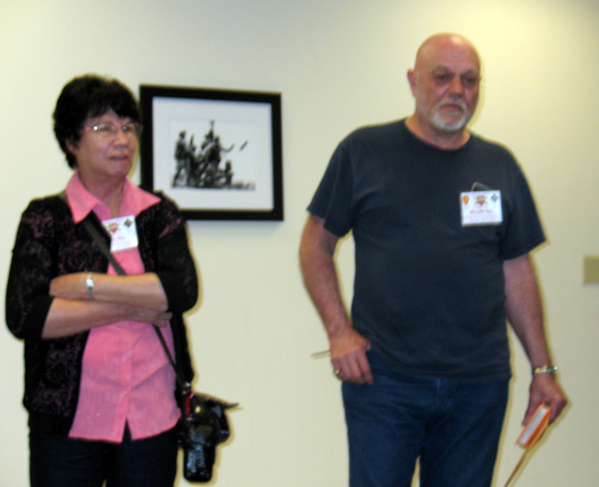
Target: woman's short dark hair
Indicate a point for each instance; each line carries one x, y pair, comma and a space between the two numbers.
86, 97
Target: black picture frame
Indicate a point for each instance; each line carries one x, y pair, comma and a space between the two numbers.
216, 153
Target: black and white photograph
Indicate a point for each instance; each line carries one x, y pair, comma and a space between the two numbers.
216, 153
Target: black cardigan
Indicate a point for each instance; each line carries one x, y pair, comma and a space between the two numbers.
50, 244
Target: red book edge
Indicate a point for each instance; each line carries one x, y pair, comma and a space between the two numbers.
534, 424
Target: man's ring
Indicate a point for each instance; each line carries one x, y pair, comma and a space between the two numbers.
337, 372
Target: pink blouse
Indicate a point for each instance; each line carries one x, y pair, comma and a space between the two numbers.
126, 377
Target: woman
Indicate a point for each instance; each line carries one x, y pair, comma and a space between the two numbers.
98, 385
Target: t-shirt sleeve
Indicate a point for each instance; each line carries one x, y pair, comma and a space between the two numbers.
333, 198
524, 231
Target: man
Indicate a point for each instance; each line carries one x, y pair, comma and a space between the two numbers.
443, 222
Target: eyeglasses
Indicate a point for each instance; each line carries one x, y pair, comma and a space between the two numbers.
109, 130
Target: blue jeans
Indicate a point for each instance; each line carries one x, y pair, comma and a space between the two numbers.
453, 426
58, 461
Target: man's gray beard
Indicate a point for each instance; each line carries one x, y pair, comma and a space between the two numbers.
437, 121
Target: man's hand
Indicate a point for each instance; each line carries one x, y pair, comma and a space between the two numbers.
545, 390
348, 356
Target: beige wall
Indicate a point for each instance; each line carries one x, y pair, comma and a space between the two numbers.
339, 64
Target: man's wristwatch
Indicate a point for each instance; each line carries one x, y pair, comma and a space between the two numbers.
89, 284
544, 369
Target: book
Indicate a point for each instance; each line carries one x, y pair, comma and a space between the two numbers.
538, 421
532, 432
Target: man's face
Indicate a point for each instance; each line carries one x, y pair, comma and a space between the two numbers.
445, 84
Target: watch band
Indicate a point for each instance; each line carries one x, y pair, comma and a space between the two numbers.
89, 283
544, 369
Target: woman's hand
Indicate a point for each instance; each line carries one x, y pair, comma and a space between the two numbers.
151, 317
69, 286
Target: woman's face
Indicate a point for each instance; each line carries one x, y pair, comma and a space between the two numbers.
106, 149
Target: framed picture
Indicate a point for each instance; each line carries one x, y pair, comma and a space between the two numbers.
216, 153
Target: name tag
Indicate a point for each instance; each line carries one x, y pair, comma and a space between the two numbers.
481, 207
123, 233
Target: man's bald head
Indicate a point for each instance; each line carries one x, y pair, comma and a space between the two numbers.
431, 48
445, 82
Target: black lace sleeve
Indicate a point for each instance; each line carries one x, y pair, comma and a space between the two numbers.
171, 257
32, 267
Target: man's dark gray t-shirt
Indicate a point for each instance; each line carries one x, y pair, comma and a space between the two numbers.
428, 291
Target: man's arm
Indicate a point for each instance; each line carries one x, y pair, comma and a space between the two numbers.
348, 347
524, 311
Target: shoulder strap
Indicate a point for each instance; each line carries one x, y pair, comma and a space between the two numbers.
89, 226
